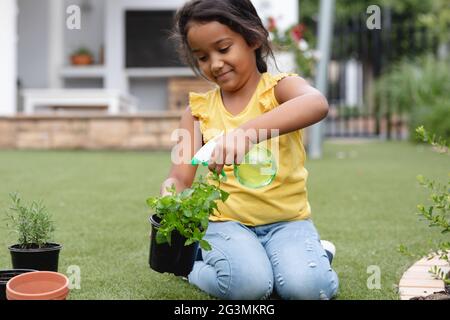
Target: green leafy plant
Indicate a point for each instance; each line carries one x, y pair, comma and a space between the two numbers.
439, 274
437, 19
188, 211
419, 88
437, 213
438, 143
82, 51
32, 223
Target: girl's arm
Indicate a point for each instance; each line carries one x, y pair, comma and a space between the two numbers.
301, 105
182, 173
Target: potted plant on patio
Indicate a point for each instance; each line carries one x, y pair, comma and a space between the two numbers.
82, 56
179, 225
34, 228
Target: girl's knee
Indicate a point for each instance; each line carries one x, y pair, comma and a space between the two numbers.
308, 287
256, 288
304, 292
248, 283
246, 280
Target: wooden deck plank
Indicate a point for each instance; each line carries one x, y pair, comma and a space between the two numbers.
418, 281
424, 269
432, 262
419, 291
424, 283
417, 276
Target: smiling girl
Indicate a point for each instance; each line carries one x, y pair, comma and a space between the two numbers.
262, 239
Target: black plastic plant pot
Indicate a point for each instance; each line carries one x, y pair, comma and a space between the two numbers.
6, 275
175, 258
41, 259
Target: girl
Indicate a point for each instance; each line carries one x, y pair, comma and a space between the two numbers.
263, 240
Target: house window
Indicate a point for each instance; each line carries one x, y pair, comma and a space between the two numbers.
147, 40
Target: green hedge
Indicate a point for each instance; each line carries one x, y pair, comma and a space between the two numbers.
436, 116
420, 88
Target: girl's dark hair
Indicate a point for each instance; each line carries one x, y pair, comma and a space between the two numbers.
238, 15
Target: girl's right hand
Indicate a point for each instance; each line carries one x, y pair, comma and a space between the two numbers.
230, 149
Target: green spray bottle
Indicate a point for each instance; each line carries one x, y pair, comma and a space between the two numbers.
258, 168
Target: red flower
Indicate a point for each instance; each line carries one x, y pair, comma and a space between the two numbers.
297, 32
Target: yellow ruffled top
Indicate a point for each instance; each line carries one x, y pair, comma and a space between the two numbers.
285, 199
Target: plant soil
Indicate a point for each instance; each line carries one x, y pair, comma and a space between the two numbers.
440, 295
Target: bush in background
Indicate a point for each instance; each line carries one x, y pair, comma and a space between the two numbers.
419, 88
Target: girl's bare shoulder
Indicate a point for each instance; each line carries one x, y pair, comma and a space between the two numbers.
291, 87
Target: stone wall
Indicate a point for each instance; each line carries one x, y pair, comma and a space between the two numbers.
150, 131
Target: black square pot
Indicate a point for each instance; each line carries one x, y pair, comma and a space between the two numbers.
175, 258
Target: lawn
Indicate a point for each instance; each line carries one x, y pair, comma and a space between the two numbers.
363, 198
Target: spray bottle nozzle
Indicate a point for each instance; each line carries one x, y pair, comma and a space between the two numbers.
204, 154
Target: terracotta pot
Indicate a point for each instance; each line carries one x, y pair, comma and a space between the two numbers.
39, 285
81, 59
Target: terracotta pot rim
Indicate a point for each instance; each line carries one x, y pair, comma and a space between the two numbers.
47, 295
52, 247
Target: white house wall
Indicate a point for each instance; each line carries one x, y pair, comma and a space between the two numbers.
152, 93
33, 43
285, 12
8, 57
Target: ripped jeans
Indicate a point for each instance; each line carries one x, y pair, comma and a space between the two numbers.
248, 263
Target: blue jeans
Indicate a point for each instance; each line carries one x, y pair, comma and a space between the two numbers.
248, 263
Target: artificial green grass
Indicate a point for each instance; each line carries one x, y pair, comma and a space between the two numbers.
363, 198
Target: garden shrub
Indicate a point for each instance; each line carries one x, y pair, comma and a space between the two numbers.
419, 88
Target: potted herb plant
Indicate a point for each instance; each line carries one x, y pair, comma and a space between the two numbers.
34, 228
82, 56
179, 225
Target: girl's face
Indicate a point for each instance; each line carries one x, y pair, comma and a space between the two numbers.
223, 55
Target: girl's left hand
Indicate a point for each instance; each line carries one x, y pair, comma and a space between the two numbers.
230, 149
